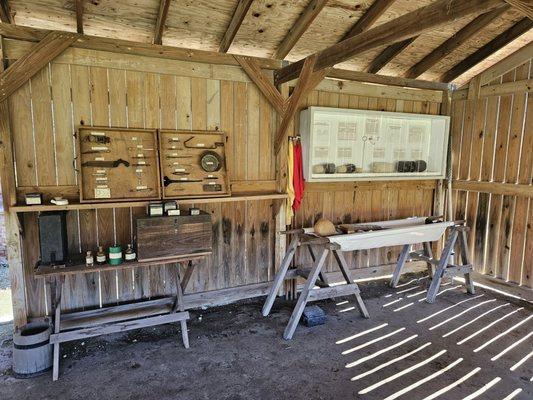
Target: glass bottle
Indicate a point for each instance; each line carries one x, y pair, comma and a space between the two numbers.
129, 255
100, 256
89, 259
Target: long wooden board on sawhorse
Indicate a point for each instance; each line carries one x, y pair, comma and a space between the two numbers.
457, 235
319, 249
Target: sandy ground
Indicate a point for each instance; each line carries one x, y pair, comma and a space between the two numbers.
237, 354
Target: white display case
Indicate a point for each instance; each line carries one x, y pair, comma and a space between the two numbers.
344, 144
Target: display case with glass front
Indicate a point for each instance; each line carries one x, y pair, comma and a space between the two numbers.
345, 144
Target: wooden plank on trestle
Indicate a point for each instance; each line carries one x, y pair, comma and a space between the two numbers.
63, 129
27, 66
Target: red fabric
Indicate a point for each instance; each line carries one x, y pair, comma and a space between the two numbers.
298, 177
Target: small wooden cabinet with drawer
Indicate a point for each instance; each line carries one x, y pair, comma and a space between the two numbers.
167, 237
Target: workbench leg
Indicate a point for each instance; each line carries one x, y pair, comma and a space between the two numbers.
280, 276
302, 299
322, 275
399, 265
441, 267
56, 288
179, 305
343, 265
465, 258
428, 252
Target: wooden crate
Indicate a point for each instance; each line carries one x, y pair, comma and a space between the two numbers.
137, 178
160, 238
181, 154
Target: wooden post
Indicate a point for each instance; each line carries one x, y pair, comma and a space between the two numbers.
12, 226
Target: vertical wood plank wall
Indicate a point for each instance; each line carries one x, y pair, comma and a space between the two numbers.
365, 201
492, 141
45, 113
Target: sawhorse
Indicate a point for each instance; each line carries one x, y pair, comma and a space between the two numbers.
309, 293
443, 268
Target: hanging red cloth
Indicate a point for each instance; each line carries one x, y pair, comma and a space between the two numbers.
298, 176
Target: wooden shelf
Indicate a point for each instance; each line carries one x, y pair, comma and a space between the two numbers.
81, 268
127, 204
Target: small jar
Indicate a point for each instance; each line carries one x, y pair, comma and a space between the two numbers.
129, 255
100, 256
89, 259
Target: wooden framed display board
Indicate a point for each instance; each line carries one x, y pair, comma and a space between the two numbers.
117, 164
346, 144
193, 164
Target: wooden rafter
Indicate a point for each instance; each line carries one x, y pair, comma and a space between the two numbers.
24, 68
375, 11
454, 42
401, 28
493, 46
300, 26
508, 63
525, 7
5, 12
388, 54
263, 82
306, 82
238, 16
160, 22
79, 16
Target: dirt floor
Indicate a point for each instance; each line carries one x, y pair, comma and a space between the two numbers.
237, 354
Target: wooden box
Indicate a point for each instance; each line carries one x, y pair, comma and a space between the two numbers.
134, 173
193, 164
163, 238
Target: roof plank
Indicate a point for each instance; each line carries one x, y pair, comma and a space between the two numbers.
300, 26
238, 16
160, 22
525, 8
401, 28
493, 46
454, 42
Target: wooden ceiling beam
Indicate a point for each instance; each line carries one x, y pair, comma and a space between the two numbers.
525, 7
375, 11
161, 20
24, 68
5, 12
79, 16
238, 16
401, 28
493, 46
387, 55
454, 42
298, 29
510, 62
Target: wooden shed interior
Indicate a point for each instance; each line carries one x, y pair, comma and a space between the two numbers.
247, 68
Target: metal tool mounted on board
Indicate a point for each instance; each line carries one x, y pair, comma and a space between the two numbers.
201, 145
106, 164
167, 181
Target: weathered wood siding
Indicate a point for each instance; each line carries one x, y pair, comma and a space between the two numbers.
346, 202
492, 141
85, 88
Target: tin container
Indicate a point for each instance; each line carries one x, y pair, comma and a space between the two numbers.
115, 255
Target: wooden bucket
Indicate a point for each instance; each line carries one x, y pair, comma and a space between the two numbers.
32, 351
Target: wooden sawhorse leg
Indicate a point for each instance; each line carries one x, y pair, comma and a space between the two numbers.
280, 276
465, 258
302, 299
56, 286
402, 258
179, 303
441, 267
343, 265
